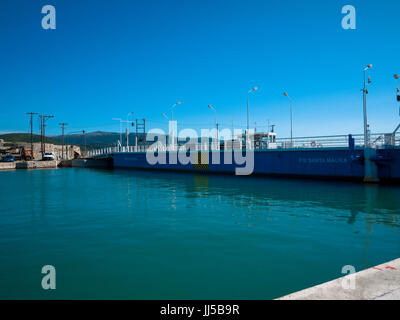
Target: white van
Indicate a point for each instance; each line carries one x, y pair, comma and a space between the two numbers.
48, 156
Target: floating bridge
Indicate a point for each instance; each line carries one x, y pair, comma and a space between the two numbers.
334, 157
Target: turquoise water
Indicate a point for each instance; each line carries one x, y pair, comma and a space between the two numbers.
159, 235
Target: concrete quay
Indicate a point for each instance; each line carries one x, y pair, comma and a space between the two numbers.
377, 283
75, 163
28, 165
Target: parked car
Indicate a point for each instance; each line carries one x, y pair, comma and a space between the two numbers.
48, 156
8, 158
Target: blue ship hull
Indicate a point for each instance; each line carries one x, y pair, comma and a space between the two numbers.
323, 163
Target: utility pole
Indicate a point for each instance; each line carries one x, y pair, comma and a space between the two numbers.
43, 131
41, 134
31, 125
84, 140
127, 129
63, 127
141, 141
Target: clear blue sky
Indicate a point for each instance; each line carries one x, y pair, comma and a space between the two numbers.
107, 58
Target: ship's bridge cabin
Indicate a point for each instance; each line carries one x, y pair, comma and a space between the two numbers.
262, 140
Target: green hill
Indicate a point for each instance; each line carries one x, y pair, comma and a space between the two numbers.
97, 139
25, 137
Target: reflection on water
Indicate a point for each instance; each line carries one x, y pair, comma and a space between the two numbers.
381, 204
144, 234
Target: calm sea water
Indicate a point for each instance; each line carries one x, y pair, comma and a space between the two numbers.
158, 235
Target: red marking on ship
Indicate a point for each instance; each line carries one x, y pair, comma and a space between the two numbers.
377, 268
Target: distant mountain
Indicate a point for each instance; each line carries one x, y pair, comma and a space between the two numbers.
92, 140
97, 139
25, 137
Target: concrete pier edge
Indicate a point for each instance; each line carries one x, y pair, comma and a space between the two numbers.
73, 163
29, 165
381, 282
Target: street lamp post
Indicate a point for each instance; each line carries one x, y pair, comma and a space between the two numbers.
291, 118
370, 167
215, 115
172, 125
396, 76
120, 129
365, 92
165, 116
172, 109
215, 123
248, 106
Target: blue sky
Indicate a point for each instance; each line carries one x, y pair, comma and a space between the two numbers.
107, 58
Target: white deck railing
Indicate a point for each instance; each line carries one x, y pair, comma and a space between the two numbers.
377, 140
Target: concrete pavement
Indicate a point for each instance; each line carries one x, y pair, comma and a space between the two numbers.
377, 283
